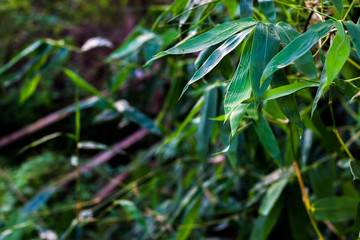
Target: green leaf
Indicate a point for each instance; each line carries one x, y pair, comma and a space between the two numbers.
264, 224
209, 38
355, 169
265, 45
190, 217
246, 8
335, 59
357, 223
205, 127
175, 8
240, 86
305, 63
236, 117
335, 209
119, 79
210, 63
231, 7
138, 117
284, 90
339, 5
272, 195
25, 52
347, 88
354, 32
81, 83
131, 46
267, 7
287, 104
131, 209
29, 88
297, 48
268, 140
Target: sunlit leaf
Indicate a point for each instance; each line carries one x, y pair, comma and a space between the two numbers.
29, 88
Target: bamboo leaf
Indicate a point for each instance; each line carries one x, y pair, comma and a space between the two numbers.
236, 117
209, 38
287, 104
335, 209
231, 7
335, 59
246, 8
305, 63
240, 86
354, 32
29, 88
205, 127
339, 5
355, 169
265, 45
216, 56
27, 51
267, 7
297, 48
190, 217
131, 209
268, 140
131, 46
272, 195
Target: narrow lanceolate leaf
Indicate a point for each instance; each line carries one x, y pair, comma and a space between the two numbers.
131, 46
28, 50
297, 48
335, 209
246, 8
193, 211
287, 104
268, 140
29, 88
339, 5
206, 125
144, 121
335, 59
354, 32
131, 209
216, 56
265, 45
355, 169
267, 7
240, 86
305, 63
236, 116
272, 195
211, 37
284, 90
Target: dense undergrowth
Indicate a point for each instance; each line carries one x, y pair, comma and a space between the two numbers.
210, 120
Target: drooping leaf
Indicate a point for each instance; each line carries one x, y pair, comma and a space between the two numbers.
354, 32
96, 42
131, 209
131, 46
28, 50
236, 116
268, 140
240, 86
339, 5
335, 209
272, 195
265, 45
216, 56
267, 7
305, 63
355, 169
335, 59
209, 38
29, 88
287, 104
206, 125
246, 8
297, 48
